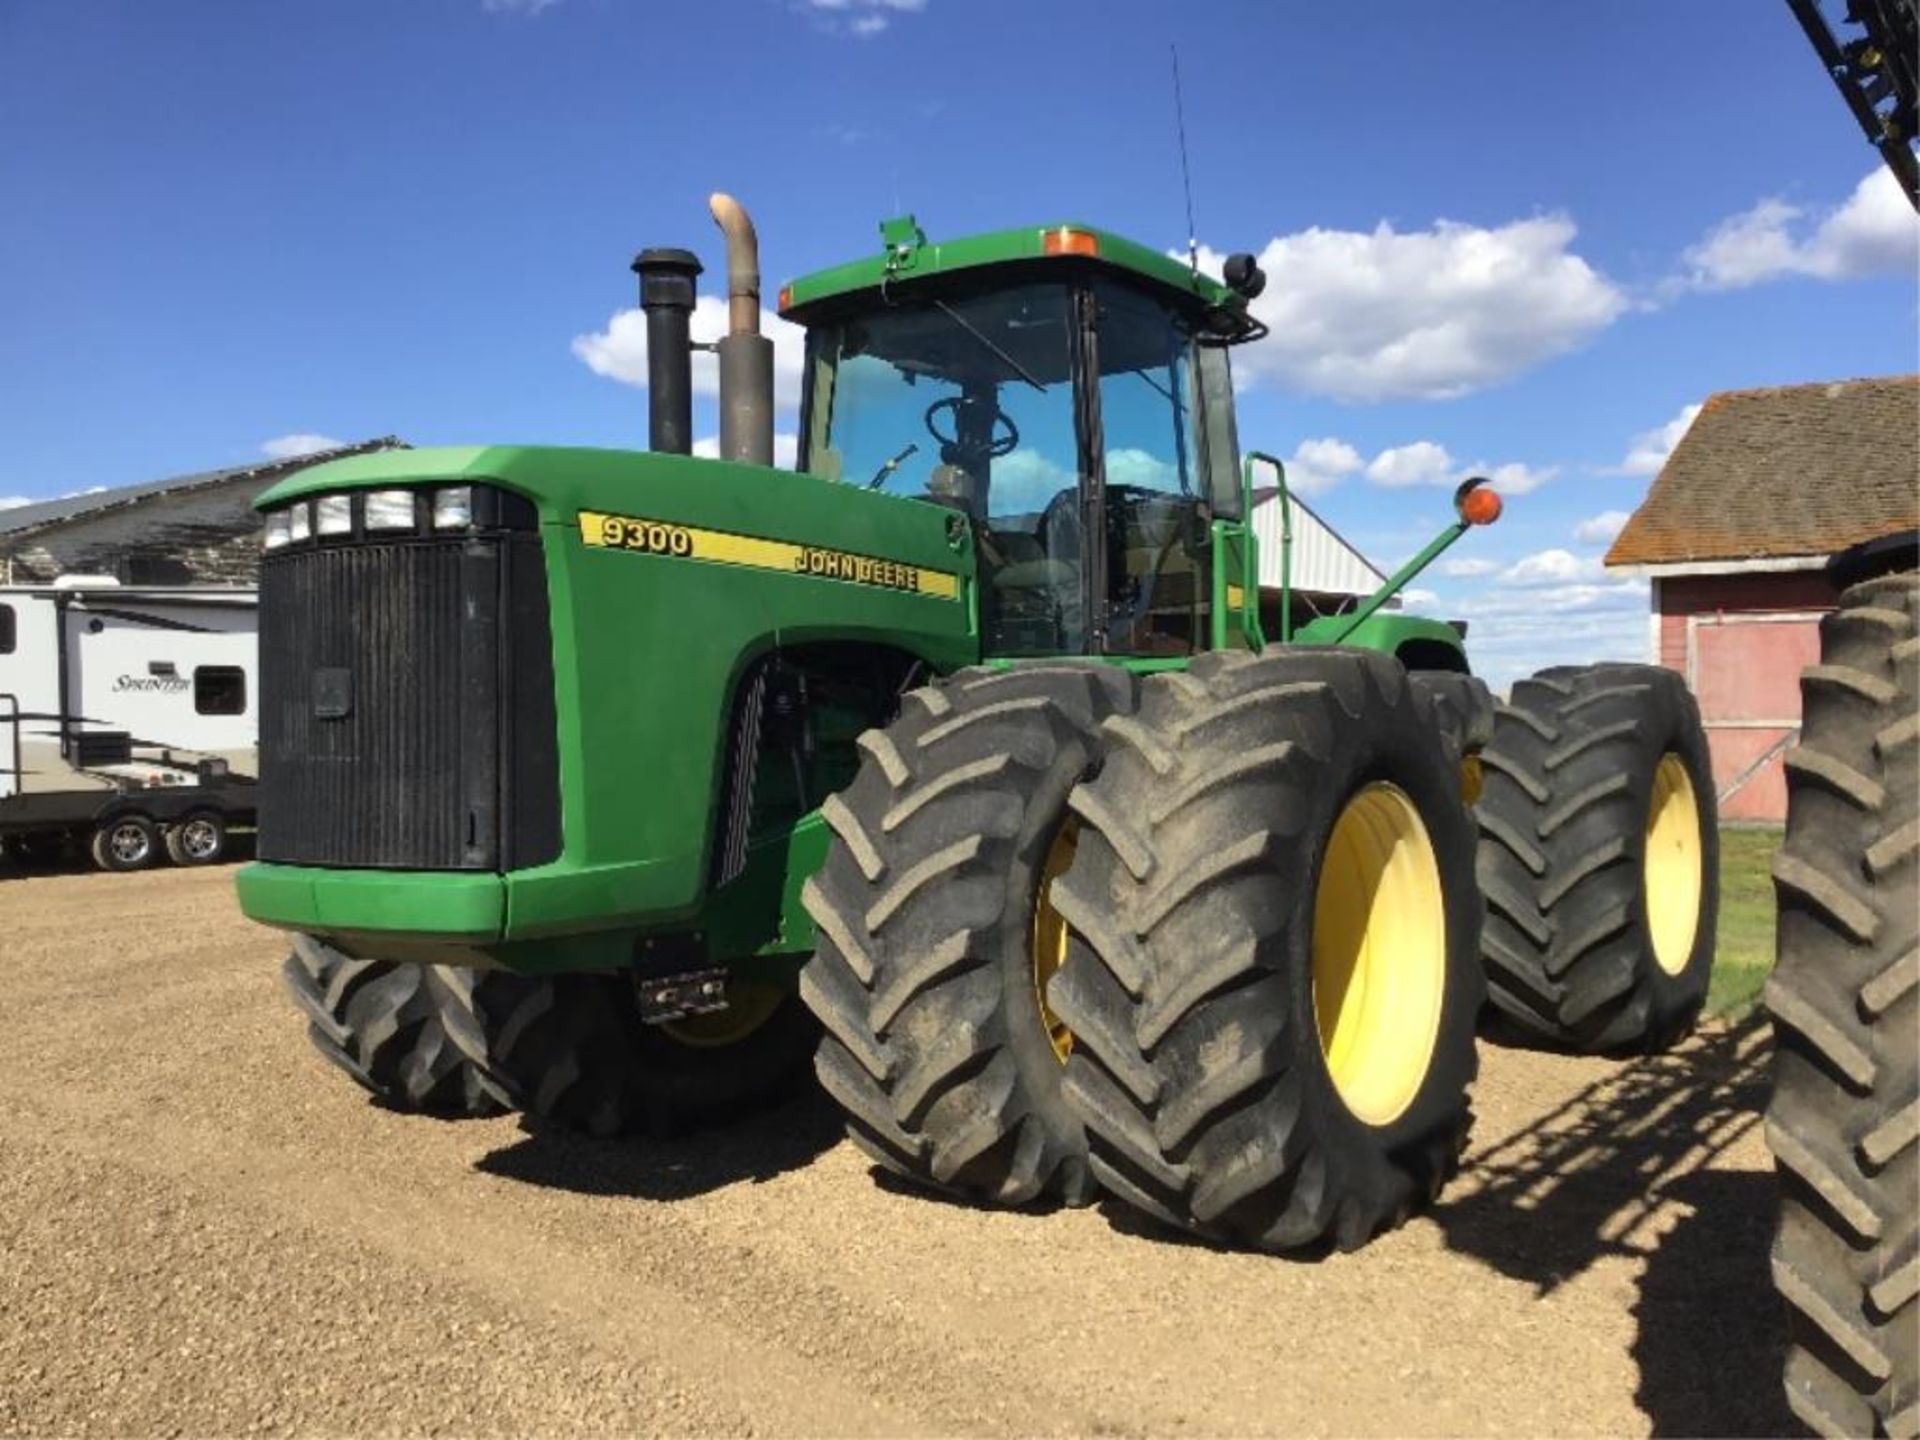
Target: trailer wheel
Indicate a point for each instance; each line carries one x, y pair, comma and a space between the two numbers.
199, 839
573, 1050
1599, 858
938, 934
1844, 1118
413, 1036
1273, 980
126, 842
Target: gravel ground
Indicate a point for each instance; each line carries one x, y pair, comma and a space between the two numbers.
204, 1229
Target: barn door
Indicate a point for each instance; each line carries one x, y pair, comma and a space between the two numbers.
1745, 670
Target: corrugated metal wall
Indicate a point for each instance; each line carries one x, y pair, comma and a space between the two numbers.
1322, 561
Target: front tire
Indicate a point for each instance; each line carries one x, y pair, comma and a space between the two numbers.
1274, 980
937, 933
573, 1051
1599, 858
1844, 1118
413, 1036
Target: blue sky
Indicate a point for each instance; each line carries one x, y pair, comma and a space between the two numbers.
1500, 233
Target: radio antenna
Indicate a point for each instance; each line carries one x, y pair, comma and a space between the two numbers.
1186, 173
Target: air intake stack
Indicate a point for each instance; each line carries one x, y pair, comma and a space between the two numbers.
667, 288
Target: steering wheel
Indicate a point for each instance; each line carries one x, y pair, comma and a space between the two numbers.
1003, 436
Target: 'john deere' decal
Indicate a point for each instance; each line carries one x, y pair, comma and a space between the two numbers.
686, 542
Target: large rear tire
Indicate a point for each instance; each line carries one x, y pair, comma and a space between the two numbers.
1599, 858
572, 1050
414, 1036
1274, 980
937, 934
1844, 1119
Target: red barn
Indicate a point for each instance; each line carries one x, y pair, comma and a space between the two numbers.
1762, 489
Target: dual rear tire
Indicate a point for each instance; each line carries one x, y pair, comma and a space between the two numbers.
1211, 940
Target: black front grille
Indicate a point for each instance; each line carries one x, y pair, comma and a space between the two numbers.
407, 714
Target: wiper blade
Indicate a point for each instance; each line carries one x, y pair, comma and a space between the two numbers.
1002, 356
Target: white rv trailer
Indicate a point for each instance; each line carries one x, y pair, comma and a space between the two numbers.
127, 719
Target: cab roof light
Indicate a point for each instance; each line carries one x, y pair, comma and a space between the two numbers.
1067, 241
785, 302
389, 510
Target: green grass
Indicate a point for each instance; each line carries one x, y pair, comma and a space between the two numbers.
1745, 952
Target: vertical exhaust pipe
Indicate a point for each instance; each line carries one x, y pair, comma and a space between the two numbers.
667, 285
746, 356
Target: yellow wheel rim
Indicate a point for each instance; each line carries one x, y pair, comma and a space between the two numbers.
1049, 939
750, 1005
1379, 953
1472, 779
1673, 865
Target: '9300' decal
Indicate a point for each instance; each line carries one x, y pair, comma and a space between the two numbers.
688, 542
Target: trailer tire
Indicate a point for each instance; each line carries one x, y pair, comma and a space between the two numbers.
1599, 859
413, 1036
1275, 845
197, 839
573, 1051
937, 933
1844, 1118
126, 842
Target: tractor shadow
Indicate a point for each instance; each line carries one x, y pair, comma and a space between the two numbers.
1621, 1170
752, 1150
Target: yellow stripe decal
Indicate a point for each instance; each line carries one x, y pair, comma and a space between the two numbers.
1236, 597
687, 542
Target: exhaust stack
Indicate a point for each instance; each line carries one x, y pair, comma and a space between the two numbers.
667, 286
746, 356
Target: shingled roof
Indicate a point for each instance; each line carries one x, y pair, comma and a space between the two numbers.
19, 520
1801, 470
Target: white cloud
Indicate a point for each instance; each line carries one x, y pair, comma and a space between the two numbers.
1552, 567
786, 448
1426, 463
1421, 463
1874, 232
1517, 632
861, 18
290, 447
1647, 452
1316, 466
1424, 601
12, 502
528, 8
1601, 529
1423, 314
619, 352
1468, 569
1026, 480
1130, 466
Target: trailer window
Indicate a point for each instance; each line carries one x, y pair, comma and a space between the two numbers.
8, 630
219, 690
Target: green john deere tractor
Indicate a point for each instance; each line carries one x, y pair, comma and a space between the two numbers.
970, 764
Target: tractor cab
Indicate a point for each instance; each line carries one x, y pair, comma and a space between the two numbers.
1065, 390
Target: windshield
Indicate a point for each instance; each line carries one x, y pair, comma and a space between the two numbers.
968, 403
